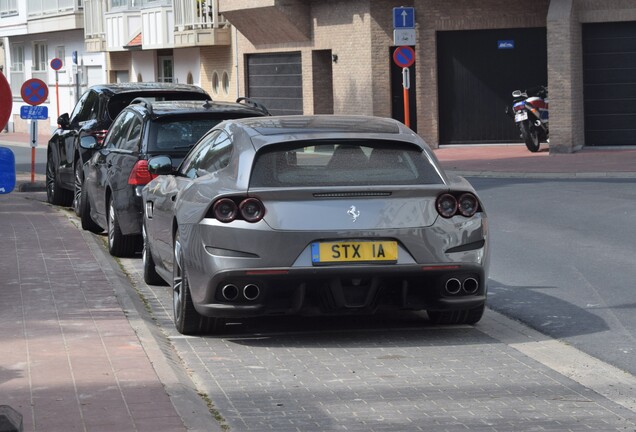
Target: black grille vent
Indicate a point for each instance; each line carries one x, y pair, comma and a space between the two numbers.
350, 194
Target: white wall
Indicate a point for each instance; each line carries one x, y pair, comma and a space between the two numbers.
144, 63
187, 60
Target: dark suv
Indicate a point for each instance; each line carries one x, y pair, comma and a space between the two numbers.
118, 170
93, 115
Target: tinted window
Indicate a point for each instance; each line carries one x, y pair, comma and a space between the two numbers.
118, 131
86, 108
178, 133
132, 140
211, 154
118, 102
342, 163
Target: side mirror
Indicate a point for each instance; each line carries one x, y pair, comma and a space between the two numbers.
516, 93
64, 121
88, 142
160, 165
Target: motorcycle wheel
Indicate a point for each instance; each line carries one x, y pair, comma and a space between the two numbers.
530, 136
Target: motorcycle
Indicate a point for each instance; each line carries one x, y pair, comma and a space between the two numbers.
530, 111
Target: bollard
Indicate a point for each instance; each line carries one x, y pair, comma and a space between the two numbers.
10, 419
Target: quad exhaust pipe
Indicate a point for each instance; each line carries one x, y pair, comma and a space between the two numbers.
453, 286
230, 292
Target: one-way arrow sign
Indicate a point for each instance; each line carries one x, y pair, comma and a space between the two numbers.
403, 17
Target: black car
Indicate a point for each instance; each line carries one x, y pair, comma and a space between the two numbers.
93, 114
116, 173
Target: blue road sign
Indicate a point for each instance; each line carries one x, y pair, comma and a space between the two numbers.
404, 56
38, 112
403, 17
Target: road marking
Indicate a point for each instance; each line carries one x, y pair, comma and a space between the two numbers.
611, 382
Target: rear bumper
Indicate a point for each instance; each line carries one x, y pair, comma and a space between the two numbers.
341, 291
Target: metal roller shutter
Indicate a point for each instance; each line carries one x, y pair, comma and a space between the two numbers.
276, 81
609, 81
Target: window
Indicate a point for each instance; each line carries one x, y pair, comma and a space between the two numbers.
8, 7
215, 83
117, 132
133, 141
40, 61
211, 154
165, 69
17, 68
86, 108
342, 163
118, 3
178, 133
226, 83
60, 52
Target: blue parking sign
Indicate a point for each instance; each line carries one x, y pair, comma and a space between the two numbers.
403, 17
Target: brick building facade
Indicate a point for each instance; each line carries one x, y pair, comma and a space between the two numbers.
342, 51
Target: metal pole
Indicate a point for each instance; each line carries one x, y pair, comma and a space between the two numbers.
406, 83
57, 94
34, 143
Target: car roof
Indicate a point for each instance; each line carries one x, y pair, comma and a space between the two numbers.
269, 130
182, 107
316, 124
118, 88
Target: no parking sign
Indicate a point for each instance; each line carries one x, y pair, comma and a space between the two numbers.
34, 91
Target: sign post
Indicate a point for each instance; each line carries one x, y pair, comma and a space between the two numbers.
56, 65
34, 92
404, 56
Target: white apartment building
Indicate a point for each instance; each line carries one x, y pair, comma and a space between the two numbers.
34, 32
102, 41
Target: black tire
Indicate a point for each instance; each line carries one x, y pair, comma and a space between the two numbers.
79, 185
151, 276
186, 319
462, 316
88, 223
119, 245
530, 136
54, 193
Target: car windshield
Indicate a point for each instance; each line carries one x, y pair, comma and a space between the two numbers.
342, 163
178, 133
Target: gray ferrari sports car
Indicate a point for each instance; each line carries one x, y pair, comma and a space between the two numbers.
313, 215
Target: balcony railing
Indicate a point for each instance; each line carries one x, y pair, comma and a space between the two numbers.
39, 8
197, 14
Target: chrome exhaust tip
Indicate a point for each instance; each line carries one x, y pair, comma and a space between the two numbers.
251, 292
470, 285
453, 286
229, 292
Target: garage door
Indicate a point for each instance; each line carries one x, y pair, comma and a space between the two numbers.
609, 77
276, 81
477, 72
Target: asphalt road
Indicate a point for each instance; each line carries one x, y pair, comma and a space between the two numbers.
564, 260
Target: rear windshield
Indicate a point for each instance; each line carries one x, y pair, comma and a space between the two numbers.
178, 134
342, 163
118, 102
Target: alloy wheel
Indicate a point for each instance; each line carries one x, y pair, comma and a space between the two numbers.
177, 281
111, 223
79, 183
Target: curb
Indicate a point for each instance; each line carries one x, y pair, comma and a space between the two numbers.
30, 187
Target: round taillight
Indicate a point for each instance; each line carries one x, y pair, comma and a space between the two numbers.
446, 205
252, 209
225, 210
468, 204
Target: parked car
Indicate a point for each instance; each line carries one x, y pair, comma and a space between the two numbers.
93, 114
117, 171
314, 215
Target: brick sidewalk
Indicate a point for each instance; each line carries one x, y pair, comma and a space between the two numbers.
71, 361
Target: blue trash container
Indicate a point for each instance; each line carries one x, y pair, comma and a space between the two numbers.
7, 170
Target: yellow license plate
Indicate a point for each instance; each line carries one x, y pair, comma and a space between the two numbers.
354, 251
